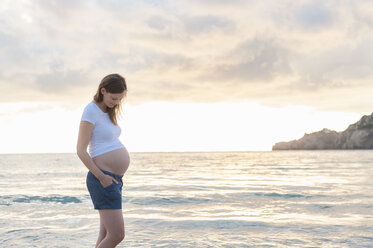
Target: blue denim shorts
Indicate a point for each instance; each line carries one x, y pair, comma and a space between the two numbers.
109, 197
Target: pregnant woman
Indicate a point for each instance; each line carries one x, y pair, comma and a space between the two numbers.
107, 160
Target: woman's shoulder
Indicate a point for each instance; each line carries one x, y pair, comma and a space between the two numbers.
90, 105
90, 113
91, 108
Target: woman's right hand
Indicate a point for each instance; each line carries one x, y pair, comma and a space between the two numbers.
107, 180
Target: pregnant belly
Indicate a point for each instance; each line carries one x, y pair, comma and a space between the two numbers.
116, 161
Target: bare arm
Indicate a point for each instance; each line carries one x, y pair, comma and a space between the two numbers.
85, 132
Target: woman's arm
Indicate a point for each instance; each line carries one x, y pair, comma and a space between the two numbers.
85, 132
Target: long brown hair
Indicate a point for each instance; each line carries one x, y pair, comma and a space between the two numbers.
113, 83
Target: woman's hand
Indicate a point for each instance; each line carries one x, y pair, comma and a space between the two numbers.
107, 180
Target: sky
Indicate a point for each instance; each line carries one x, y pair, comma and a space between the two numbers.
208, 75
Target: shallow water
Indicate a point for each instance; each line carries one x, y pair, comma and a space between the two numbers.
222, 199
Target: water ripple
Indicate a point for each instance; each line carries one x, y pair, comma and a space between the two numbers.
167, 200
6, 200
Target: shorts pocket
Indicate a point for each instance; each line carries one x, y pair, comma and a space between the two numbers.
110, 186
111, 191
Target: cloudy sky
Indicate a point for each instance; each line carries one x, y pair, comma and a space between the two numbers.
202, 75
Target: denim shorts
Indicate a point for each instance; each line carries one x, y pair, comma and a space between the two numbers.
109, 197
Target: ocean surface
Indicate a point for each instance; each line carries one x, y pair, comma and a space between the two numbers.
196, 199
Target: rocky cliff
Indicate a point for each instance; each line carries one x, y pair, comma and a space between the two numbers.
357, 136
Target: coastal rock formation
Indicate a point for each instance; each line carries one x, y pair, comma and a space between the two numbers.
357, 136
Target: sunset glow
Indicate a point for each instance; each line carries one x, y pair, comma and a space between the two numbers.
199, 77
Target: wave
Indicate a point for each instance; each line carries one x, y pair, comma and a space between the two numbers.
213, 223
214, 198
274, 194
249, 195
7, 200
167, 200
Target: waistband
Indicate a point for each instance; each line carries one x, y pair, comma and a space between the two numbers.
112, 174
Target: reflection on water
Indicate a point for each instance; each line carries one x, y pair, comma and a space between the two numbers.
223, 199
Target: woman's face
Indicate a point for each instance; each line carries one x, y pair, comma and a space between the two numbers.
112, 99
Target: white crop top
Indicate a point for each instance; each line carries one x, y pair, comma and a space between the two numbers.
105, 134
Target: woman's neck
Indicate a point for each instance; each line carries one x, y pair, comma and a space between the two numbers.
102, 106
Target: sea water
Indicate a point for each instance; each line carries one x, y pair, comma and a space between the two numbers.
195, 199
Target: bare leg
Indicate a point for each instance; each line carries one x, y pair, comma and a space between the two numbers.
112, 219
102, 233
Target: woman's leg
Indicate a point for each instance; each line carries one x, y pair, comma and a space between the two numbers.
113, 222
102, 232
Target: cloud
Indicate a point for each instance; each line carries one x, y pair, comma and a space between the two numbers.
307, 16
199, 24
59, 82
259, 59
219, 2
313, 14
158, 23
347, 65
189, 50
